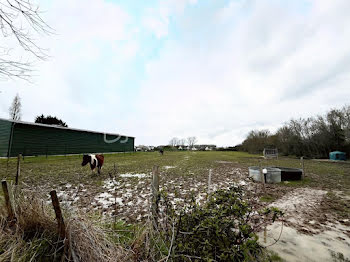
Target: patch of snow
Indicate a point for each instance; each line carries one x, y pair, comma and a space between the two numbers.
110, 183
242, 183
200, 198
300, 199
169, 167
127, 175
223, 162
76, 199
119, 201
62, 195
294, 246
104, 195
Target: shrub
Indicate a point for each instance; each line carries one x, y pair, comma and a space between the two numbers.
223, 229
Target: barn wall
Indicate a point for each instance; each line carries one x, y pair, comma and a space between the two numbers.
5, 134
41, 140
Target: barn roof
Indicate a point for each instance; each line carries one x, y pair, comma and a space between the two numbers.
61, 127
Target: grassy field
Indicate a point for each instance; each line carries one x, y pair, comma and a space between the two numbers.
59, 169
123, 190
182, 174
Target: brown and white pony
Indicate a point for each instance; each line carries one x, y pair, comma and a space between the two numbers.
94, 161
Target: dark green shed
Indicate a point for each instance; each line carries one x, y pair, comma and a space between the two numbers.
30, 139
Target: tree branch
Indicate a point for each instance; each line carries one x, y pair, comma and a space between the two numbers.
13, 14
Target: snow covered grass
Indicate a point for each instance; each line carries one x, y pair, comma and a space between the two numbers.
125, 194
182, 175
128, 195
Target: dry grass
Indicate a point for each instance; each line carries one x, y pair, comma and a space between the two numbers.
34, 236
89, 242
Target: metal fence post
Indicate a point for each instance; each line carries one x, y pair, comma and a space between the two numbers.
262, 175
9, 149
303, 168
18, 168
209, 181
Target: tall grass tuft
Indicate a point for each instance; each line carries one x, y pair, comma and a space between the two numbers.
34, 236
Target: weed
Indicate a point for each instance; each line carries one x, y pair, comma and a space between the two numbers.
267, 198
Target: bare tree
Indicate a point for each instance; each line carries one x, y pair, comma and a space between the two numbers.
174, 141
20, 21
191, 141
182, 142
311, 137
15, 108
346, 113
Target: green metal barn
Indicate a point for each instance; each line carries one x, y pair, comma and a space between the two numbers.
30, 139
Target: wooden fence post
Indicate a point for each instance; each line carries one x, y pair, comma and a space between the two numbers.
58, 212
11, 215
18, 168
302, 167
209, 182
155, 195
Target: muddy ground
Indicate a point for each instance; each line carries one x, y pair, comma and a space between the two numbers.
315, 225
311, 230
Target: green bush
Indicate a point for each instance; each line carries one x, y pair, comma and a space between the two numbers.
220, 230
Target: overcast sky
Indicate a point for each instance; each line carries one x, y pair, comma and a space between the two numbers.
214, 69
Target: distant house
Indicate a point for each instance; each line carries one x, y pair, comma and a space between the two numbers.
142, 148
180, 148
206, 147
